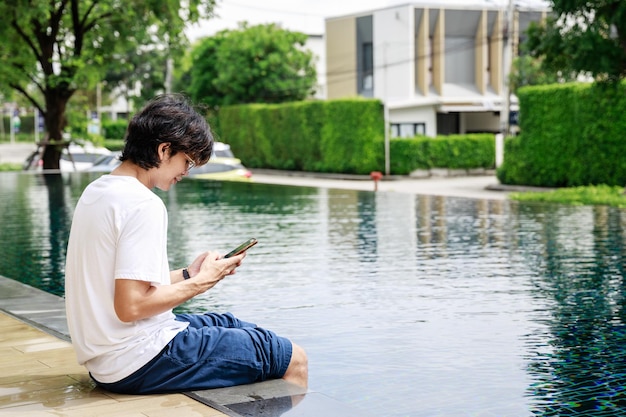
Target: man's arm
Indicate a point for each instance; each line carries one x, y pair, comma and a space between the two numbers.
136, 300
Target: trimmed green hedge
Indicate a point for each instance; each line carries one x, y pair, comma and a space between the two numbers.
27, 124
453, 151
342, 136
114, 144
114, 129
338, 136
572, 135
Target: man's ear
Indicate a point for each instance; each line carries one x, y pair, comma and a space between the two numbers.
163, 149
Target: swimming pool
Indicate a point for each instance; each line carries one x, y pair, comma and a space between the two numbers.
407, 305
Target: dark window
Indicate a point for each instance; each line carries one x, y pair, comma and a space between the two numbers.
367, 75
448, 123
365, 56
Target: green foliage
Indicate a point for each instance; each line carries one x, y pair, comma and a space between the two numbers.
341, 136
204, 71
61, 46
571, 136
253, 64
590, 195
19, 137
323, 136
583, 36
453, 151
5, 167
114, 129
77, 121
114, 144
528, 70
352, 136
143, 66
27, 125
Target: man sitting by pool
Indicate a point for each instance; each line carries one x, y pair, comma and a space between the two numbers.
120, 291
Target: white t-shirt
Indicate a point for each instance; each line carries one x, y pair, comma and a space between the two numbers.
119, 230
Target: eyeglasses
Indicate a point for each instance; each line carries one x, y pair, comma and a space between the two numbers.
190, 162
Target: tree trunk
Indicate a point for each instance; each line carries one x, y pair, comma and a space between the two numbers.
55, 120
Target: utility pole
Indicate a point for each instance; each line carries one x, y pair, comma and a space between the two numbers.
506, 69
386, 114
12, 123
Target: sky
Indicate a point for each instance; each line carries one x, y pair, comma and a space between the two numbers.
301, 15
298, 15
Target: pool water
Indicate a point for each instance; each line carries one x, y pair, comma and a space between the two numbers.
407, 305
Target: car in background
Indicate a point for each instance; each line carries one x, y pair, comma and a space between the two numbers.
222, 150
223, 166
231, 170
73, 158
106, 163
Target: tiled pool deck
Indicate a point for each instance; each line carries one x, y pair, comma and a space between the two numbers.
40, 375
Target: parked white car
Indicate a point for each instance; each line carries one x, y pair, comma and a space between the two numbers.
223, 165
73, 158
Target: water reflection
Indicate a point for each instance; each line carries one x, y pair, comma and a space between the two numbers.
407, 305
579, 369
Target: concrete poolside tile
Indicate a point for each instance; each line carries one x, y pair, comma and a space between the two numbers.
172, 404
55, 396
8, 355
82, 377
190, 410
58, 358
44, 346
23, 340
19, 385
55, 403
41, 377
25, 366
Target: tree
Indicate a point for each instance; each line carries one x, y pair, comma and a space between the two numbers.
256, 64
527, 70
60, 46
204, 70
583, 37
140, 67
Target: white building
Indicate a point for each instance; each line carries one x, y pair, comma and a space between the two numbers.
439, 68
316, 44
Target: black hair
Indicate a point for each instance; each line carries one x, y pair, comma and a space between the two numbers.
167, 118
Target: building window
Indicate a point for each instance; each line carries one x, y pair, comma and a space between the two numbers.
367, 74
407, 130
365, 56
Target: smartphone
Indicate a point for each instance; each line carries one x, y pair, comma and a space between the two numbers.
242, 248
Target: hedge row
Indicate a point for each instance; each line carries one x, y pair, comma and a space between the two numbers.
111, 129
339, 136
453, 151
572, 135
320, 136
27, 124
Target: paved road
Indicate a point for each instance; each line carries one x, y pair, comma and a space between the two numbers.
466, 186
15, 153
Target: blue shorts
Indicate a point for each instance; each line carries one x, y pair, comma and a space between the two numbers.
214, 351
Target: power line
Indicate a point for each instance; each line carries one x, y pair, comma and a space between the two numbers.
281, 11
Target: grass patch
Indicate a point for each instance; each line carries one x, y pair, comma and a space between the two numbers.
10, 167
604, 195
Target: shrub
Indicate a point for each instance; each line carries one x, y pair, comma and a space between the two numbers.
571, 135
453, 152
